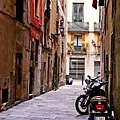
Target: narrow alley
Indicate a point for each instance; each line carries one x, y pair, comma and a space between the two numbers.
53, 105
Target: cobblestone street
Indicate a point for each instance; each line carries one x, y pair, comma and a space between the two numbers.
53, 105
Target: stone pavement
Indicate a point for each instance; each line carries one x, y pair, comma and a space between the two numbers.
53, 105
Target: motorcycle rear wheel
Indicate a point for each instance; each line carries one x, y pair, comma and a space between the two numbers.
80, 102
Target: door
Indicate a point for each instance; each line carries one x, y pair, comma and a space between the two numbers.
48, 73
77, 68
96, 67
18, 76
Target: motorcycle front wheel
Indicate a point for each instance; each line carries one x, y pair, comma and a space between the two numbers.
80, 105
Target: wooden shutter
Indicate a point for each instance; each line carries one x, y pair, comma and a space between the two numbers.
72, 37
83, 41
83, 38
98, 40
98, 43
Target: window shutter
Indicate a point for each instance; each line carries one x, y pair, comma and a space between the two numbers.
98, 43
98, 40
83, 41
83, 38
72, 37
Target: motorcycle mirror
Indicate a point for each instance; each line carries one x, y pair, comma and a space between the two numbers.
98, 73
89, 76
87, 81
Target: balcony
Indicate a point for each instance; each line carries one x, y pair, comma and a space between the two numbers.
76, 49
80, 50
78, 27
97, 27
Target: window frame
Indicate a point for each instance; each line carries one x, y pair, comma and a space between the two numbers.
78, 47
78, 13
37, 8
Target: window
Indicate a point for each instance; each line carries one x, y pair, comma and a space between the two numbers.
78, 11
77, 42
45, 33
36, 51
37, 8
19, 10
4, 95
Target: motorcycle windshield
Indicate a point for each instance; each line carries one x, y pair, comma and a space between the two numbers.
97, 85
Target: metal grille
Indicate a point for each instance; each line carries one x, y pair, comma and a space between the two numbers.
76, 67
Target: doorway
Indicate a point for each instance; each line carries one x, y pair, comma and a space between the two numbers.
96, 67
18, 76
77, 68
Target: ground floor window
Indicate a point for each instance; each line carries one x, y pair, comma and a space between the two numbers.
77, 68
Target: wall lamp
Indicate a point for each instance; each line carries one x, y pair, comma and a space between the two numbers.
94, 44
62, 32
62, 26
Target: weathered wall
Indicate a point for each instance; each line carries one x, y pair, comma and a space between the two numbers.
36, 35
107, 42
117, 62
7, 47
14, 38
112, 26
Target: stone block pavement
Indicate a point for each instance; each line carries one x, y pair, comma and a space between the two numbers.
53, 105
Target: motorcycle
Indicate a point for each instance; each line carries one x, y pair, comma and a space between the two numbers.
93, 89
99, 109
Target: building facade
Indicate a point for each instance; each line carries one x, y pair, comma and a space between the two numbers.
110, 28
36, 36
33, 40
83, 39
53, 59
14, 51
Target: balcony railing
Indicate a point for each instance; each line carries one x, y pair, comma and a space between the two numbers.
78, 26
78, 48
97, 27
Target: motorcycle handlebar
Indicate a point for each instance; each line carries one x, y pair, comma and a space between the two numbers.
106, 81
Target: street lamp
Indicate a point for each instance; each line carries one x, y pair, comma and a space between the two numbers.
62, 26
94, 45
62, 32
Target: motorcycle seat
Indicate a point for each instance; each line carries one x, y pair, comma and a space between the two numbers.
98, 98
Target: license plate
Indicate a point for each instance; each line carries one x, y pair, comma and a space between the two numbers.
99, 118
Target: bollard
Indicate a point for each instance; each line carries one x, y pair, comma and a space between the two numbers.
82, 79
